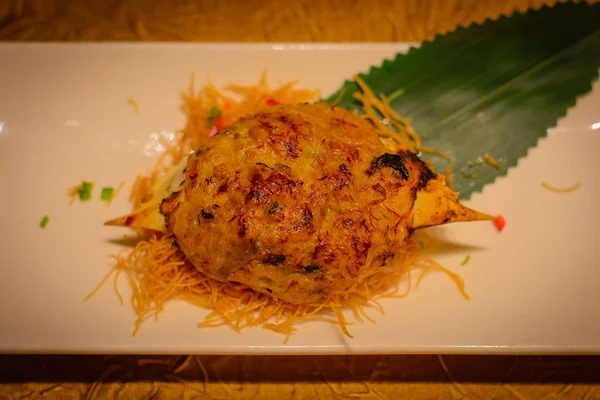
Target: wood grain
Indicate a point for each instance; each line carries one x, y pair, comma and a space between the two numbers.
246, 21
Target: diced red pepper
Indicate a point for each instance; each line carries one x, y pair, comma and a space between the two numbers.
218, 122
272, 102
500, 223
227, 105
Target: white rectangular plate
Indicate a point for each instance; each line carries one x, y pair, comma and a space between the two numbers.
64, 118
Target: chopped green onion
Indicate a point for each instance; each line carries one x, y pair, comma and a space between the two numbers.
421, 244
215, 112
85, 192
44, 221
212, 114
465, 261
107, 193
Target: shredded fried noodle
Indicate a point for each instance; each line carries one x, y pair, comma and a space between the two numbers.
157, 271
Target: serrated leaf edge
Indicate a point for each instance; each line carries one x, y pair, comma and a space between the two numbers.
570, 105
503, 16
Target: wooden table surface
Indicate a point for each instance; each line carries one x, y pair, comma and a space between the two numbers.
240, 377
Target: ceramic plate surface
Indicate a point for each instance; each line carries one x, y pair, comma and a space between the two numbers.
64, 117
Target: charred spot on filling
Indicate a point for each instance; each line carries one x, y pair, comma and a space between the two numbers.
223, 188
207, 215
294, 127
381, 190
353, 155
388, 255
344, 179
263, 165
393, 161
275, 259
257, 195
266, 184
293, 149
282, 166
307, 218
268, 290
322, 250
344, 182
345, 169
426, 174
169, 204
364, 225
342, 122
309, 269
215, 206
175, 244
265, 125
275, 208
360, 246
193, 177
242, 226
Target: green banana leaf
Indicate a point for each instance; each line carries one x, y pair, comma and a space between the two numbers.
493, 88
